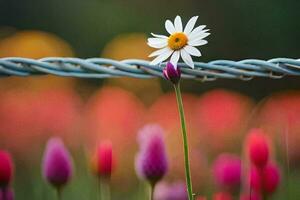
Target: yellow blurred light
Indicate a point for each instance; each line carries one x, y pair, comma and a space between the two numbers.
132, 45
34, 44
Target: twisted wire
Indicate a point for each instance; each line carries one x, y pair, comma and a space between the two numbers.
106, 68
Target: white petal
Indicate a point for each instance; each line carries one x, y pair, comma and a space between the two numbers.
157, 42
198, 36
170, 27
157, 45
190, 25
159, 36
197, 42
161, 57
159, 52
192, 51
187, 58
178, 24
175, 58
197, 30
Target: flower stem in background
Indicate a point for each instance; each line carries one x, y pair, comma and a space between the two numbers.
151, 191
58, 193
98, 189
105, 189
185, 141
287, 160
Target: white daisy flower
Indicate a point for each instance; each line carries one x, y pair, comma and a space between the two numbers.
181, 42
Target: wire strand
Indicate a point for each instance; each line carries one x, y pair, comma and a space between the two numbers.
107, 68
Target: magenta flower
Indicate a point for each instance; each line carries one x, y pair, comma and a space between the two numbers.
151, 162
227, 171
270, 178
6, 168
7, 194
172, 73
57, 163
173, 191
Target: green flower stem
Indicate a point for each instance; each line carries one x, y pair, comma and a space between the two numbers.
151, 191
185, 142
105, 189
58, 193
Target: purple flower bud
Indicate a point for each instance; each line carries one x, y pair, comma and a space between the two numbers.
151, 161
172, 73
174, 191
57, 163
227, 171
6, 194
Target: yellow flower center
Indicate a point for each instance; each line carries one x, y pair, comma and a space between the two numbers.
177, 41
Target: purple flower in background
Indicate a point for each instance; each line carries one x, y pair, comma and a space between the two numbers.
57, 163
227, 171
6, 194
151, 161
172, 73
173, 191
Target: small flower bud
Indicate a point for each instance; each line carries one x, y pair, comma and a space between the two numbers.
57, 163
172, 73
6, 169
258, 148
270, 178
227, 171
104, 160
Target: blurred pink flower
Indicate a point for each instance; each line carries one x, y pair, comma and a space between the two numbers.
7, 194
57, 163
258, 148
104, 159
34, 115
280, 116
221, 117
165, 112
227, 171
6, 169
171, 191
255, 179
151, 161
270, 178
114, 112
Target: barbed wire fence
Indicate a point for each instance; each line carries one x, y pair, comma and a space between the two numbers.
107, 68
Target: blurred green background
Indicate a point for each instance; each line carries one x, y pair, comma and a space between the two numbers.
118, 29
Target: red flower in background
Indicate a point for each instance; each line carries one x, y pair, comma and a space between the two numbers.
165, 112
104, 160
258, 147
33, 116
113, 112
270, 178
221, 116
280, 115
6, 169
